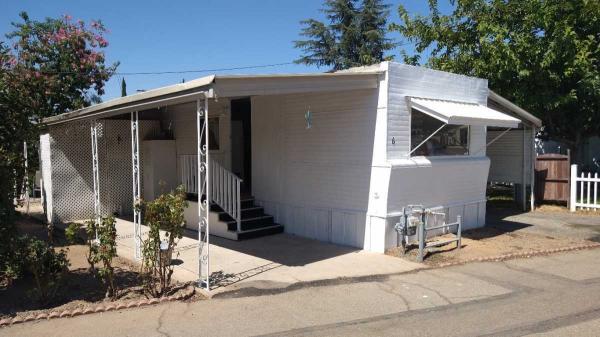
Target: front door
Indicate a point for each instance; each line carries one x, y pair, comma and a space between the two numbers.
241, 138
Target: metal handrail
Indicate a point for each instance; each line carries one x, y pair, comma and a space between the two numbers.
225, 185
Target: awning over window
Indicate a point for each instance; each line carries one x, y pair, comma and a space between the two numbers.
461, 113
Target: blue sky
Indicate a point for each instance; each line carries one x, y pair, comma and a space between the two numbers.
151, 36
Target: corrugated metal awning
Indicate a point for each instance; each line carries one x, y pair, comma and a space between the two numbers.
463, 113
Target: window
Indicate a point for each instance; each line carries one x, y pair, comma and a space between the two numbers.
451, 140
213, 133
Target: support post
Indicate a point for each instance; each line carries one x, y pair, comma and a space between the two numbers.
135, 164
95, 171
573, 187
524, 168
459, 231
533, 155
26, 178
422, 237
204, 196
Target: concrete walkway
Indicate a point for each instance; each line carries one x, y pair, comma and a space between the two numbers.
270, 262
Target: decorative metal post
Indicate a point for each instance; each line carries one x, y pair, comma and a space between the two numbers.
26, 179
96, 171
203, 191
135, 162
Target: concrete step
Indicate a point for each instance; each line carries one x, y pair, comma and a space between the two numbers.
252, 223
254, 233
247, 213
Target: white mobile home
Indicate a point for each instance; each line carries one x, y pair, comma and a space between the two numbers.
329, 156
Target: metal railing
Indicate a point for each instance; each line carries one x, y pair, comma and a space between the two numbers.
418, 221
225, 185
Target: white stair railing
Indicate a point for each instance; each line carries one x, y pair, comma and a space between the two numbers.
188, 165
587, 186
225, 186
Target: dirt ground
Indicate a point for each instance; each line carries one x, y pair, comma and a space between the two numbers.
79, 288
500, 237
564, 209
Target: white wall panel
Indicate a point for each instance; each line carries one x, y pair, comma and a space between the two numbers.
320, 176
405, 80
182, 118
506, 155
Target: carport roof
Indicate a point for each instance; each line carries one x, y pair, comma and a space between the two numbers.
517, 110
224, 86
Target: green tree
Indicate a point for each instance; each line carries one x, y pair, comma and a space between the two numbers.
123, 87
541, 54
53, 66
61, 63
355, 35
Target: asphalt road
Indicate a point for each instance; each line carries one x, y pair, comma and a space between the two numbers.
558, 295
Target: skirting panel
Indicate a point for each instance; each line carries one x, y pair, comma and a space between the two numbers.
341, 227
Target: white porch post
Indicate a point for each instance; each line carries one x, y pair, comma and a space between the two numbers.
203, 189
533, 155
135, 163
95, 170
524, 169
26, 180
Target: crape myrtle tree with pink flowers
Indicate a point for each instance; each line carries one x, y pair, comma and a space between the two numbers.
46, 68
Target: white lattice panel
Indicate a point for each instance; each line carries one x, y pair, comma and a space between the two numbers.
72, 183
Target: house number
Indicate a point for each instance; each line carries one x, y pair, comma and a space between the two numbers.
393, 140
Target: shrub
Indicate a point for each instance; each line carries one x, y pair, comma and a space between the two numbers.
102, 243
72, 232
164, 213
13, 259
47, 267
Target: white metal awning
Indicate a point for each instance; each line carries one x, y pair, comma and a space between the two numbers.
462, 113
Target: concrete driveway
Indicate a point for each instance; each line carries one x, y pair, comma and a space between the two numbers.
555, 224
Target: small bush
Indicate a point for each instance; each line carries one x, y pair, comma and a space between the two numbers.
47, 266
164, 213
102, 243
72, 233
13, 260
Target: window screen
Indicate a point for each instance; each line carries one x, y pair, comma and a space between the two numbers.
451, 140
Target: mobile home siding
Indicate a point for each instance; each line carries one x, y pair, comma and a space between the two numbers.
182, 120
506, 155
315, 180
405, 80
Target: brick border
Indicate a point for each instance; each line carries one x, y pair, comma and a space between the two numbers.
100, 307
512, 256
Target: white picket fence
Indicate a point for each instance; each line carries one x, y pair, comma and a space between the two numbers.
584, 190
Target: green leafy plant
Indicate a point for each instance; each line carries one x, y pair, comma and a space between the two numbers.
72, 232
162, 214
47, 266
102, 243
13, 259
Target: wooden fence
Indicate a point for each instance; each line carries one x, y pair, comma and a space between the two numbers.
552, 177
